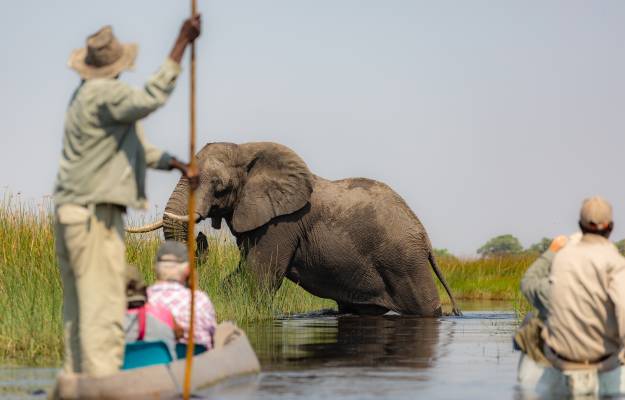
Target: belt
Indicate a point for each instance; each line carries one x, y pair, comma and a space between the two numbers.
111, 205
602, 364
595, 361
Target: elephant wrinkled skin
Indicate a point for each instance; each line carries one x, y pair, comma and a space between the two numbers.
355, 240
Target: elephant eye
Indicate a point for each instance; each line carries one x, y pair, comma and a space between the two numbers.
218, 186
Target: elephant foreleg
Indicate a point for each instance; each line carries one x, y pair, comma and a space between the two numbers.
266, 262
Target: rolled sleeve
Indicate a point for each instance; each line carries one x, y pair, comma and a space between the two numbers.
164, 162
127, 104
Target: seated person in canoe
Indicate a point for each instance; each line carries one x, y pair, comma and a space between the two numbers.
147, 321
578, 349
171, 291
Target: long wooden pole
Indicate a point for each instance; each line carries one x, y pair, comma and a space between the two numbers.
191, 228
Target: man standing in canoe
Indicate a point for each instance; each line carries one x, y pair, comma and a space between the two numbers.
101, 173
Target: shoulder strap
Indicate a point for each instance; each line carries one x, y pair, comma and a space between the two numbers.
141, 316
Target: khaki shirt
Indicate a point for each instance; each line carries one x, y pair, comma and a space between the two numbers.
587, 300
105, 152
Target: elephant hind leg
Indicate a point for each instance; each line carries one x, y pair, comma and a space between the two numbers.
411, 287
438, 312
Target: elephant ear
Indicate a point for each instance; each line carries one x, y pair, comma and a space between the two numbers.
278, 183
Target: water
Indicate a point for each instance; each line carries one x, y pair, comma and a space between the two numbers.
348, 357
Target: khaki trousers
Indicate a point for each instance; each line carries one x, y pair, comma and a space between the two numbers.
91, 252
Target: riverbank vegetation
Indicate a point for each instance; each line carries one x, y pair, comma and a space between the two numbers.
31, 292
491, 278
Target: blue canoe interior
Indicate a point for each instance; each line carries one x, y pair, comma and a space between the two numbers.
143, 353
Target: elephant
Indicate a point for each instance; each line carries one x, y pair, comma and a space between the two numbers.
354, 240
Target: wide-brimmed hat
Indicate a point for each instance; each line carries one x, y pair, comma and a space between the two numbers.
104, 56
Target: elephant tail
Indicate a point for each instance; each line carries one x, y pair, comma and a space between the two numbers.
441, 278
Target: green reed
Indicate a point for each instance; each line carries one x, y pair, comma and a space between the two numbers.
489, 278
31, 290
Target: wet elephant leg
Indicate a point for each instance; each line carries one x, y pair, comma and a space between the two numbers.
412, 286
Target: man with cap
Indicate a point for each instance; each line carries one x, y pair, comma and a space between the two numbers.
586, 320
172, 274
101, 173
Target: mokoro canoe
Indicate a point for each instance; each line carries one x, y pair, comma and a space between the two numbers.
232, 356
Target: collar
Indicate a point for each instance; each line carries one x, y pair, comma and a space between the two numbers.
594, 239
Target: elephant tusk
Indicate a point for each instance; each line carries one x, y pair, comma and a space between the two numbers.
145, 228
181, 218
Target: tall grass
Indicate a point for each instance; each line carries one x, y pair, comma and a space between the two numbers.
491, 278
31, 291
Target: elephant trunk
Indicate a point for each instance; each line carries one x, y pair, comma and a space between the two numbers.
174, 228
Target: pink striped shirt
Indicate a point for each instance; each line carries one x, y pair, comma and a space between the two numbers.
177, 298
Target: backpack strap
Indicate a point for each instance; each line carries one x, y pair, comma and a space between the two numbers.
141, 316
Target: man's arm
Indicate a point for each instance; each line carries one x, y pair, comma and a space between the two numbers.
127, 104
535, 282
616, 291
159, 159
188, 33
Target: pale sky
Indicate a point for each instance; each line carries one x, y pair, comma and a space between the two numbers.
487, 117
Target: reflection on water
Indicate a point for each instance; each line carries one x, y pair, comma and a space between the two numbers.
347, 341
394, 357
347, 357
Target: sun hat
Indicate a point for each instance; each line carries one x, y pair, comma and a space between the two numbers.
104, 56
135, 285
596, 213
172, 262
